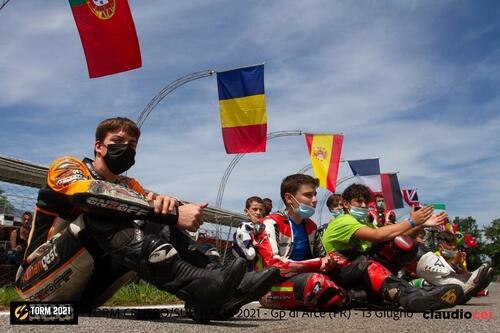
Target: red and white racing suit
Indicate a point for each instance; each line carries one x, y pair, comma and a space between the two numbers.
381, 218
303, 284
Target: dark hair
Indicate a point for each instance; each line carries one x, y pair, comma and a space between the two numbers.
446, 237
115, 124
357, 191
267, 201
249, 201
333, 200
30, 214
378, 195
292, 183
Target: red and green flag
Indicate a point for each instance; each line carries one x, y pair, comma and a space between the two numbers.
108, 36
324, 151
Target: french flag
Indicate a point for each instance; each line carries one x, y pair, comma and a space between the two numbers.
367, 172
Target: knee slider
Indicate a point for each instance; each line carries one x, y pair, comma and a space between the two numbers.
320, 291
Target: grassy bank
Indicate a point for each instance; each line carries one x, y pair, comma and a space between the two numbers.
130, 294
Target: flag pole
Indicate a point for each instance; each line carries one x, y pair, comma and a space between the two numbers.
168, 89
238, 157
239, 67
4, 2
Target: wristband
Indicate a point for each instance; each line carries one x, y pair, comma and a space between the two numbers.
412, 223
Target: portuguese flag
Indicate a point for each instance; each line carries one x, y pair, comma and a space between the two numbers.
108, 36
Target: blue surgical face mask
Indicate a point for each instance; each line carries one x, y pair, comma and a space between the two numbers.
337, 212
448, 253
304, 211
359, 213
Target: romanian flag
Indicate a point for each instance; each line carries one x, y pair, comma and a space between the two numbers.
108, 36
324, 151
391, 191
243, 109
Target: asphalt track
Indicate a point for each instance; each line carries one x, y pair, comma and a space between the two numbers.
255, 319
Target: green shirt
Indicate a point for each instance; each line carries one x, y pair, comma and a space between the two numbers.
338, 234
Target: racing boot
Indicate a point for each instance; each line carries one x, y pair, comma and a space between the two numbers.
253, 286
421, 299
436, 270
200, 287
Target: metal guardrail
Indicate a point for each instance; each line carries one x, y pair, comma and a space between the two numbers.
33, 175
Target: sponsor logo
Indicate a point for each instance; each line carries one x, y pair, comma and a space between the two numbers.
49, 258
32, 270
21, 312
115, 205
67, 180
449, 297
52, 287
37, 313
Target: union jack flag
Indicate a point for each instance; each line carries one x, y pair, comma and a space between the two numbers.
411, 197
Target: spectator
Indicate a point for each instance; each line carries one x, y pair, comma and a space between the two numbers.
268, 204
334, 204
19, 239
243, 239
448, 249
254, 208
381, 216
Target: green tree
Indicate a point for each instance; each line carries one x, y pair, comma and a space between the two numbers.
492, 244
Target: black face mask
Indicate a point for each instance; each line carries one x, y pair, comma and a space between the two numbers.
119, 158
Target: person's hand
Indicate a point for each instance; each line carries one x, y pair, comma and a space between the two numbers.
162, 204
191, 216
436, 220
460, 257
421, 215
327, 264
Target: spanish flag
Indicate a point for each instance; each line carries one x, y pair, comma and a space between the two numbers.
108, 36
243, 109
324, 151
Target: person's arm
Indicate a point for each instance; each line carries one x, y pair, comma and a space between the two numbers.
70, 179
13, 242
389, 232
434, 221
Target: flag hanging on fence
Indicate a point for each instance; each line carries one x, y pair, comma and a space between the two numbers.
108, 36
367, 172
243, 115
410, 196
391, 191
324, 151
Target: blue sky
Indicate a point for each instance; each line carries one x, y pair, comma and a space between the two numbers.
413, 82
